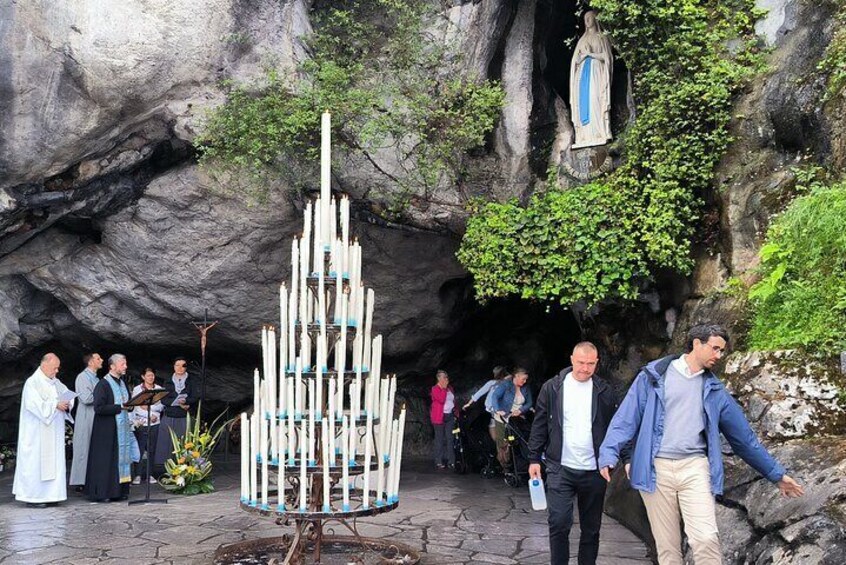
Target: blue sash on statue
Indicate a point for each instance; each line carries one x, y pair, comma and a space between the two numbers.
124, 431
584, 92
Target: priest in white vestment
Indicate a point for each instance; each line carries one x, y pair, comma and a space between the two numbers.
40, 472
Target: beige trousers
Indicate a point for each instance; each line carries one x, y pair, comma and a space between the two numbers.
683, 492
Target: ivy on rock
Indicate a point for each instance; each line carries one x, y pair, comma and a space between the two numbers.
601, 240
399, 103
800, 302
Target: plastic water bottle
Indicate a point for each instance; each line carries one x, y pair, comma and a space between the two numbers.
537, 493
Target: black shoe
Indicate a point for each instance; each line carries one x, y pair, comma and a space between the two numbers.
37, 504
78, 488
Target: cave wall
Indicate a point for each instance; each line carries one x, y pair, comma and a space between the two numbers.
111, 237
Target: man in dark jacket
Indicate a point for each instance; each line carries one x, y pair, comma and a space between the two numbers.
572, 413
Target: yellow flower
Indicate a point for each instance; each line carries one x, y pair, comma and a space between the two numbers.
195, 454
189, 444
181, 460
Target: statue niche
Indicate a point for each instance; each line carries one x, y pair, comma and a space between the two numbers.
590, 86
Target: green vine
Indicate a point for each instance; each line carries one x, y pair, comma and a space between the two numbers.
395, 95
801, 299
601, 240
834, 60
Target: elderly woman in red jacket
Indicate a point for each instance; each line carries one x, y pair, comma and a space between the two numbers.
442, 414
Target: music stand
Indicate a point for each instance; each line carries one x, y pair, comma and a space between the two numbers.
147, 398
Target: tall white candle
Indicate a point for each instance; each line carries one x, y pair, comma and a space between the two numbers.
345, 465
368, 452
359, 305
264, 357
342, 341
375, 374
317, 403
305, 244
271, 390
353, 291
282, 363
339, 396
264, 458
325, 156
293, 308
384, 420
333, 222
331, 422
311, 409
280, 470
254, 444
368, 324
245, 459
356, 393
381, 461
352, 440
317, 260
256, 392
358, 259
298, 388
339, 281
303, 476
398, 464
325, 449
392, 393
345, 234
392, 470
291, 446
279, 454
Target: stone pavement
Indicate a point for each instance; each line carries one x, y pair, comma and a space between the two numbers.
454, 519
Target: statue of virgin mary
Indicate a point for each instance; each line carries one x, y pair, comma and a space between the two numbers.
590, 86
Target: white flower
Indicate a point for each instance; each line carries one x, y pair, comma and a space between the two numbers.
180, 481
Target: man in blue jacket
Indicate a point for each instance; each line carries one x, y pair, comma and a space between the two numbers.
573, 412
673, 415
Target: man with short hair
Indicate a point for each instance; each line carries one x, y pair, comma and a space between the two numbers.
110, 456
572, 414
674, 413
85, 383
40, 471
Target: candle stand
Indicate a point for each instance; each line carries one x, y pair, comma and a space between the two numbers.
322, 447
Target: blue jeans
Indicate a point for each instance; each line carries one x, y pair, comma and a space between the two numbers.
443, 441
563, 487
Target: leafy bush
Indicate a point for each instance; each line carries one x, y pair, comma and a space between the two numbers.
390, 87
801, 300
834, 60
643, 216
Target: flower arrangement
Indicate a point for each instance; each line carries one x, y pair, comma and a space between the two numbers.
7, 456
189, 470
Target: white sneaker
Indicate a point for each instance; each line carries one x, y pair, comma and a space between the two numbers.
153, 480
136, 480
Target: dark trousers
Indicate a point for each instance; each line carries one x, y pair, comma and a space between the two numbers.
142, 437
443, 441
564, 487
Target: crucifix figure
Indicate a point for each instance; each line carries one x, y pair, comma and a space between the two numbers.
204, 327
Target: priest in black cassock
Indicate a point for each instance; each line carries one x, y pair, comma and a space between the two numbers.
110, 456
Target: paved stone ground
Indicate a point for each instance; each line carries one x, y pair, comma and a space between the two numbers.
454, 519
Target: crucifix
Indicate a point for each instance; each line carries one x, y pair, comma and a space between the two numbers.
204, 327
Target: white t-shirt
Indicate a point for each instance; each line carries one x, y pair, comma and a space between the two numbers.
449, 403
577, 402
